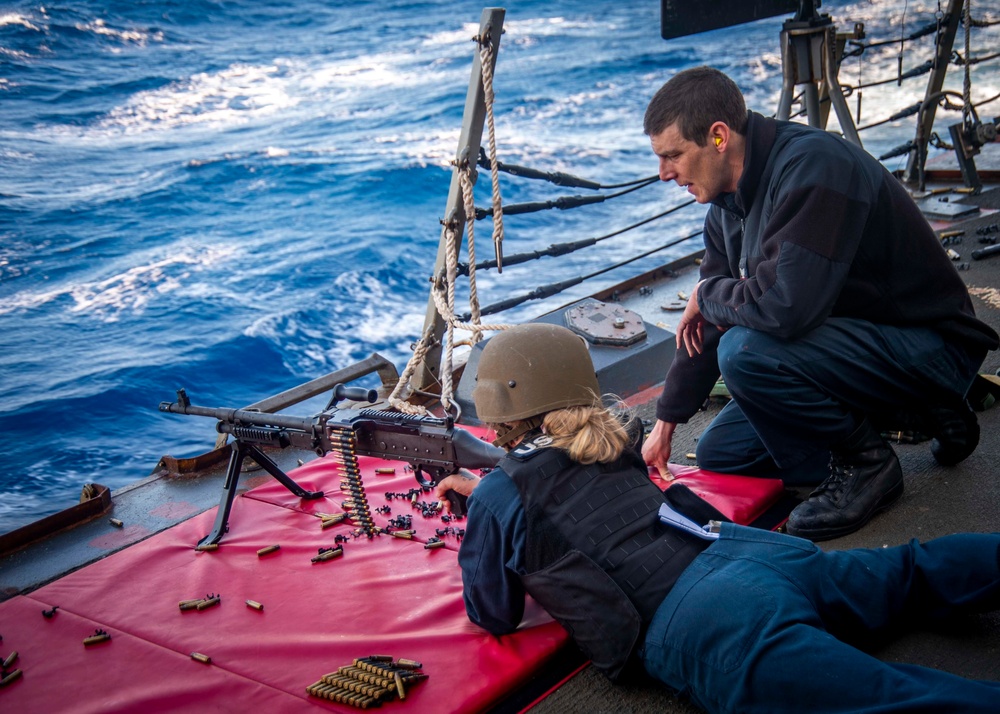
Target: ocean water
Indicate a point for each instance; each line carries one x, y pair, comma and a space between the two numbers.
238, 196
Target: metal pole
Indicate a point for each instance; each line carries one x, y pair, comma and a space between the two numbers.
426, 376
836, 94
787, 79
925, 120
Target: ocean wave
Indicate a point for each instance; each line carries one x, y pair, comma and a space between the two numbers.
129, 291
313, 88
134, 36
369, 310
234, 95
15, 18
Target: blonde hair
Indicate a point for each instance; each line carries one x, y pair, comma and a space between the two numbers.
589, 434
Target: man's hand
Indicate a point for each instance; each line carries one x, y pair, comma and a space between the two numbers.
462, 482
690, 329
656, 450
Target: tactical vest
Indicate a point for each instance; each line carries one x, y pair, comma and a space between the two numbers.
598, 559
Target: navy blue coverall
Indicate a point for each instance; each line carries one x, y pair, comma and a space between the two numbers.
764, 622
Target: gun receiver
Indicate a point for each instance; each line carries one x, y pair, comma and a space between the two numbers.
434, 446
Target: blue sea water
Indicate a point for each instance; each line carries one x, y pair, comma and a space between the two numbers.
238, 196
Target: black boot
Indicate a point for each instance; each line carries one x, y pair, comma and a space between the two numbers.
955, 431
865, 478
952, 425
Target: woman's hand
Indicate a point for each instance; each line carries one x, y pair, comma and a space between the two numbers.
462, 482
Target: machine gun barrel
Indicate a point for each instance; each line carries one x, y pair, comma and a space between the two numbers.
247, 417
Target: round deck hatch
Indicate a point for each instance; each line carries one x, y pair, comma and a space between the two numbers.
603, 324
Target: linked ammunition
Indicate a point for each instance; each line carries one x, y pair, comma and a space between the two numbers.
355, 685
116, 522
364, 676
268, 550
254, 605
10, 677
11, 659
368, 681
96, 638
203, 658
342, 696
379, 669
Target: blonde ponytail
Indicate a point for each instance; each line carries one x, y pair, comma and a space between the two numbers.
588, 434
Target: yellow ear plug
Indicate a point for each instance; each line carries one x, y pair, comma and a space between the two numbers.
718, 141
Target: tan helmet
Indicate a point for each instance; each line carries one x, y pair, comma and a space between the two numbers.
532, 369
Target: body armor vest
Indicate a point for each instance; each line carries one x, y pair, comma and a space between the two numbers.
598, 559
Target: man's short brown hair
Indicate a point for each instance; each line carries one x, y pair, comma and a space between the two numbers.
694, 99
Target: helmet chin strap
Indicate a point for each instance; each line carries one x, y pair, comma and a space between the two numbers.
512, 433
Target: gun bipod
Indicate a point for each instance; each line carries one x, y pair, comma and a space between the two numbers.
240, 451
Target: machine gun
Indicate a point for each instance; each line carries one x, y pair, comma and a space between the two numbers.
432, 445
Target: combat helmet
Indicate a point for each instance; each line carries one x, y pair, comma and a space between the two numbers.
529, 370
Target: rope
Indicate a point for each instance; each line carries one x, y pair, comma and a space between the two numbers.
444, 297
445, 303
419, 352
485, 54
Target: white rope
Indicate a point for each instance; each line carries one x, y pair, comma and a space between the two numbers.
485, 54
465, 179
444, 296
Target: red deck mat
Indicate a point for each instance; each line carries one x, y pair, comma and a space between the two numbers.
383, 596
742, 498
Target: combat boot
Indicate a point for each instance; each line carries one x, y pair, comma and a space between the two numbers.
952, 426
865, 478
956, 433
